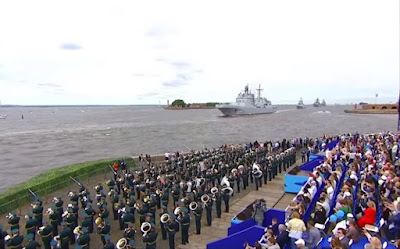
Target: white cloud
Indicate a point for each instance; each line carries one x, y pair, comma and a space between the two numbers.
135, 52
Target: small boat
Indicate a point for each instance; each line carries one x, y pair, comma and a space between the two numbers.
323, 103
3, 116
316, 103
301, 105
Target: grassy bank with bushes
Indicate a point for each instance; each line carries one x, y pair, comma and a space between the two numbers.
53, 180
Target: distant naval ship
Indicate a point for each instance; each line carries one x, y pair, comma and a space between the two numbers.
317, 103
301, 105
246, 104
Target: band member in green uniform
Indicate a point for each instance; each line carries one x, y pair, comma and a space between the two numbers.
172, 227
54, 218
37, 211
90, 213
103, 229
13, 220
83, 239
65, 232
151, 238
109, 244
208, 205
163, 226
54, 245
129, 234
15, 240
31, 224
198, 213
32, 243
3, 234
218, 204
46, 233
184, 220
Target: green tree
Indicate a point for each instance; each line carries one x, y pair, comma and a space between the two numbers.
179, 102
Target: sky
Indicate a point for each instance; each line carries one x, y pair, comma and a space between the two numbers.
148, 52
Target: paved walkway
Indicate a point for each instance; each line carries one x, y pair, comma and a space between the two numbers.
273, 193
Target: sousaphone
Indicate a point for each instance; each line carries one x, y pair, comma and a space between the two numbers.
122, 244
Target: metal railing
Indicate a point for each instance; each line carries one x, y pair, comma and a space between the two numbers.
90, 178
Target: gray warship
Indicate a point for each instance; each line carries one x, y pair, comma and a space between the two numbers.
246, 104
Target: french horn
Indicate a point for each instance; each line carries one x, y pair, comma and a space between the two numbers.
122, 244
78, 230
145, 228
193, 206
164, 218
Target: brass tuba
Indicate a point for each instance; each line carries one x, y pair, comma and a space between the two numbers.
225, 181
205, 198
193, 206
164, 218
122, 244
145, 228
227, 190
214, 190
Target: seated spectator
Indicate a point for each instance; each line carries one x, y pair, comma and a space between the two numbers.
313, 235
369, 215
341, 235
256, 246
270, 244
296, 227
274, 226
301, 244
336, 244
353, 232
283, 237
320, 213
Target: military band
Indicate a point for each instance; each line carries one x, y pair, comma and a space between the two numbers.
195, 183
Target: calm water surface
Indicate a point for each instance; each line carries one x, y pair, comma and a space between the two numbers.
56, 136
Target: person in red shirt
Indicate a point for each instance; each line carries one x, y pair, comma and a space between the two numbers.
369, 215
115, 166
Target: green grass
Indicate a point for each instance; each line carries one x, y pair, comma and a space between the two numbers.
53, 180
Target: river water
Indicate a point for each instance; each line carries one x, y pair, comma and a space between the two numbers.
50, 137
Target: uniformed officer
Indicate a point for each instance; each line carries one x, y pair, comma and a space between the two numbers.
172, 227
127, 217
31, 224
151, 238
208, 205
104, 213
54, 218
218, 204
65, 232
46, 233
163, 226
184, 220
150, 218
114, 199
109, 244
84, 239
198, 213
175, 195
15, 241
103, 229
58, 209
141, 210
13, 220
129, 234
226, 196
90, 213
37, 211
54, 244
165, 197
71, 223
32, 243
3, 234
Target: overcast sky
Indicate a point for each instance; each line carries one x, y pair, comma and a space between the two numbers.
145, 52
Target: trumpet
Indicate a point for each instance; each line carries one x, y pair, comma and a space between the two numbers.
193, 206
164, 218
145, 228
159, 192
9, 216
